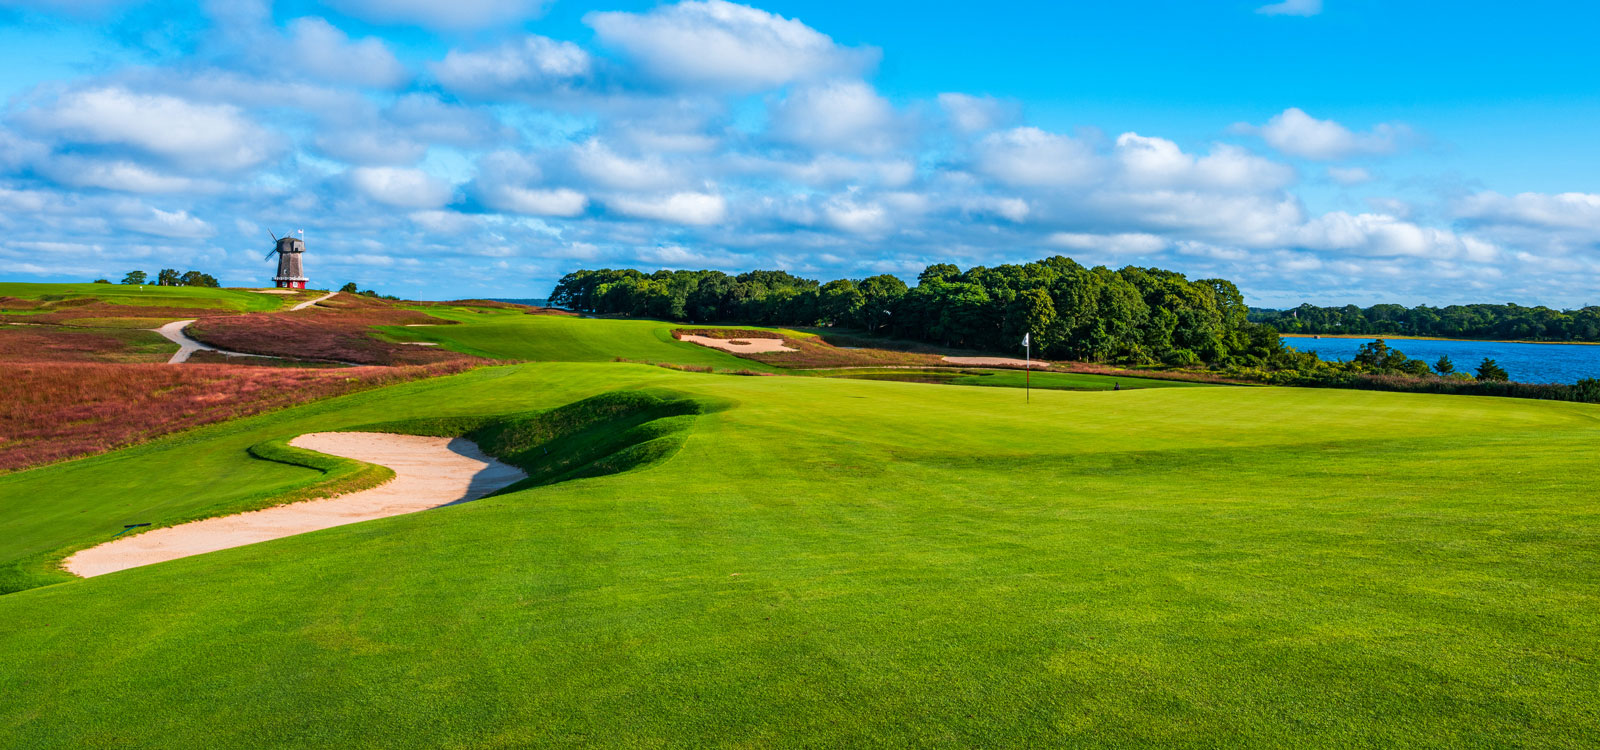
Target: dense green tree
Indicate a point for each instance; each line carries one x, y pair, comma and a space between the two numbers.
1479, 321
349, 287
102, 281
839, 303
1444, 366
135, 277
195, 278
1490, 370
1132, 315
167, 277
879, 296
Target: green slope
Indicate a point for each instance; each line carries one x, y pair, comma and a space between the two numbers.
842, 563
149, 295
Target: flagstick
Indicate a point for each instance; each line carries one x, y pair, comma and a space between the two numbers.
1027, 373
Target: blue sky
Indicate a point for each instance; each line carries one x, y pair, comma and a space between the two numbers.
1334, 151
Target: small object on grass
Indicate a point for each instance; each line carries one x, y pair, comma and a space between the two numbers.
128, 528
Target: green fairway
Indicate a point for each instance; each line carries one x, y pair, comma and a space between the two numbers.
502, 334
843, 563
1063, 381
149, 295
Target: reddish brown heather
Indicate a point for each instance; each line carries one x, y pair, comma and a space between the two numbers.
341, 334
53, 411
42, 343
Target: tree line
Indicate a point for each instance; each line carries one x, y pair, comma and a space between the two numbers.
1138, 316
1131, 316
1495, 322
168, 277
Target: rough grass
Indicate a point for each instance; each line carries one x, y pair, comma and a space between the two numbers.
840, 563
54, 411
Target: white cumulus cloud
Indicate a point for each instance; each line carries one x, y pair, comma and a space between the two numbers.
213, 136
1032, 157
1125, 243
679, 208
400, 187
529, 65
1158, 162
972, 114
840, 115
1298, 134
727, 45
321, 49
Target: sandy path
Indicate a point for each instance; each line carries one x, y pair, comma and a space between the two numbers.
304, 305
741, 346
187, 346
1010, 361
428, 472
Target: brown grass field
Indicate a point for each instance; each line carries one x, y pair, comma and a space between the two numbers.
48, 343
53, 411
337, 334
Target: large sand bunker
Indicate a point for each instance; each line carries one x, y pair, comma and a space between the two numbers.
996, 362
739, 346
428, 472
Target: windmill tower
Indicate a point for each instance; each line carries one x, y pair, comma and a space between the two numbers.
291, 272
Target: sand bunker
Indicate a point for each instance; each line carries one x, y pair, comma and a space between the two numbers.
739, 346
996, 362
428, 472
276, 291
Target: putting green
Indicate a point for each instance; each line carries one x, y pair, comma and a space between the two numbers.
843, 563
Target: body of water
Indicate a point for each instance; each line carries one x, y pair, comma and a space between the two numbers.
1527, 363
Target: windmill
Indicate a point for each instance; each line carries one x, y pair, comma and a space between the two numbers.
291, 274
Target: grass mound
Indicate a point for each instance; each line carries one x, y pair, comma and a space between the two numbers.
606, 434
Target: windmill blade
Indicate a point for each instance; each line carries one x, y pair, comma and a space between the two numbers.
273, 236
270, 252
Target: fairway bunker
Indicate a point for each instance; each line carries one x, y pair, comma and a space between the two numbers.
428, 472
747, 345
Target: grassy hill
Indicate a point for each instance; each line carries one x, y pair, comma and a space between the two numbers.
199, 298
834, 562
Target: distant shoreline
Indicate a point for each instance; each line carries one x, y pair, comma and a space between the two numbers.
1388, 337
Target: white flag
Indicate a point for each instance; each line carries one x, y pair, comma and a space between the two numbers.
1025, 337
